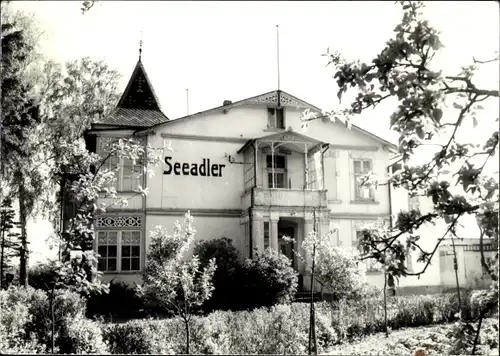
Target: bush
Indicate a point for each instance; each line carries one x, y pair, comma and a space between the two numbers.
82, 336
121, 302
41, 276
26, 320
140, 337
270, 279
280, 329
228, 293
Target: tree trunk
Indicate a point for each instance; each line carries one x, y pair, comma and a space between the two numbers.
476, 339
53, 321
23, 252
313, 349
455, 267
2, 258
385, 306
188, 331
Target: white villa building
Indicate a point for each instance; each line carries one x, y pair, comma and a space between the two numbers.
247, 171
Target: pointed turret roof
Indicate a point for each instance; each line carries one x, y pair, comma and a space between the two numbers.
138, 105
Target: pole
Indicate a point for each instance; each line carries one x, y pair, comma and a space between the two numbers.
278, 55
313, 349
187, 101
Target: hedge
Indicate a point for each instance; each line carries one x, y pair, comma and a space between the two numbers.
281, 329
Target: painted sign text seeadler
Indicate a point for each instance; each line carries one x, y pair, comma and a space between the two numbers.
204, 169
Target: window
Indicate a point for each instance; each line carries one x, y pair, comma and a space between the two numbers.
120, 251
128, 175
279, 171
276, 118
361, 168
266, 234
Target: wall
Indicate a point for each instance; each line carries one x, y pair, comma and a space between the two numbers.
171, 191
470, 271
207, 227
247, 122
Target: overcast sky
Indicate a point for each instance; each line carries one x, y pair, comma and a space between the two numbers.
227, 50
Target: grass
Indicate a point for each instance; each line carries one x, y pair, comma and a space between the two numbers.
435, 339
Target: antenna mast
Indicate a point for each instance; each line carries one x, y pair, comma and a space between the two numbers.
187, 101
278, 53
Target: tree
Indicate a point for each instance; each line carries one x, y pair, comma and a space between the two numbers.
173, 282
19, 122
431, 108
8, 239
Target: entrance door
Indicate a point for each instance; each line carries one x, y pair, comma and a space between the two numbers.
286, 247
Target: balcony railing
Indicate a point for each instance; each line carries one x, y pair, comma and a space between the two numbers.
285, 197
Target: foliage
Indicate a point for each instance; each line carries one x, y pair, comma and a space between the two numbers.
20, 120
82, 336
9, 239
283, 329
434, 340
121, 301
26, 320
338, 270
229, 293
177, 284
431, 108
270, 278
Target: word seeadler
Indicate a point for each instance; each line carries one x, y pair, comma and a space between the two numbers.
204, 169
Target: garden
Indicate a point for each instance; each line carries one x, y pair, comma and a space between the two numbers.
200, 308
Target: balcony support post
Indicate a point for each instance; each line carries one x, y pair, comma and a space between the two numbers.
255, 160
306, 164
272, 163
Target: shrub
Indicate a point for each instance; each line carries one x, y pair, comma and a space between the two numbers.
280, 329
270, 279
81, 336
337, 269
26, 320
228, 293
140, 337
121, 302
41, 276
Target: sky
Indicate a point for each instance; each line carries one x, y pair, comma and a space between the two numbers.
228, 50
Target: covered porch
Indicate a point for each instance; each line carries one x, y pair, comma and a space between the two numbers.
286, 160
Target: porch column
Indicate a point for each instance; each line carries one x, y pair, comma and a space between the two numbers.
255, 160
322, 168
257, 233
306, 165
272, 164
273, 234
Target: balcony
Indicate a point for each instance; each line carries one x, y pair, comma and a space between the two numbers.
285, 198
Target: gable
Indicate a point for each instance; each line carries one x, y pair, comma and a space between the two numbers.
248, 119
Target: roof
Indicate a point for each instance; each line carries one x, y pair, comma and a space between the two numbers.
289, 136
270, 98
139, 118
138, 106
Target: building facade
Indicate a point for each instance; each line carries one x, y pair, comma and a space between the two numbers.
247, 171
